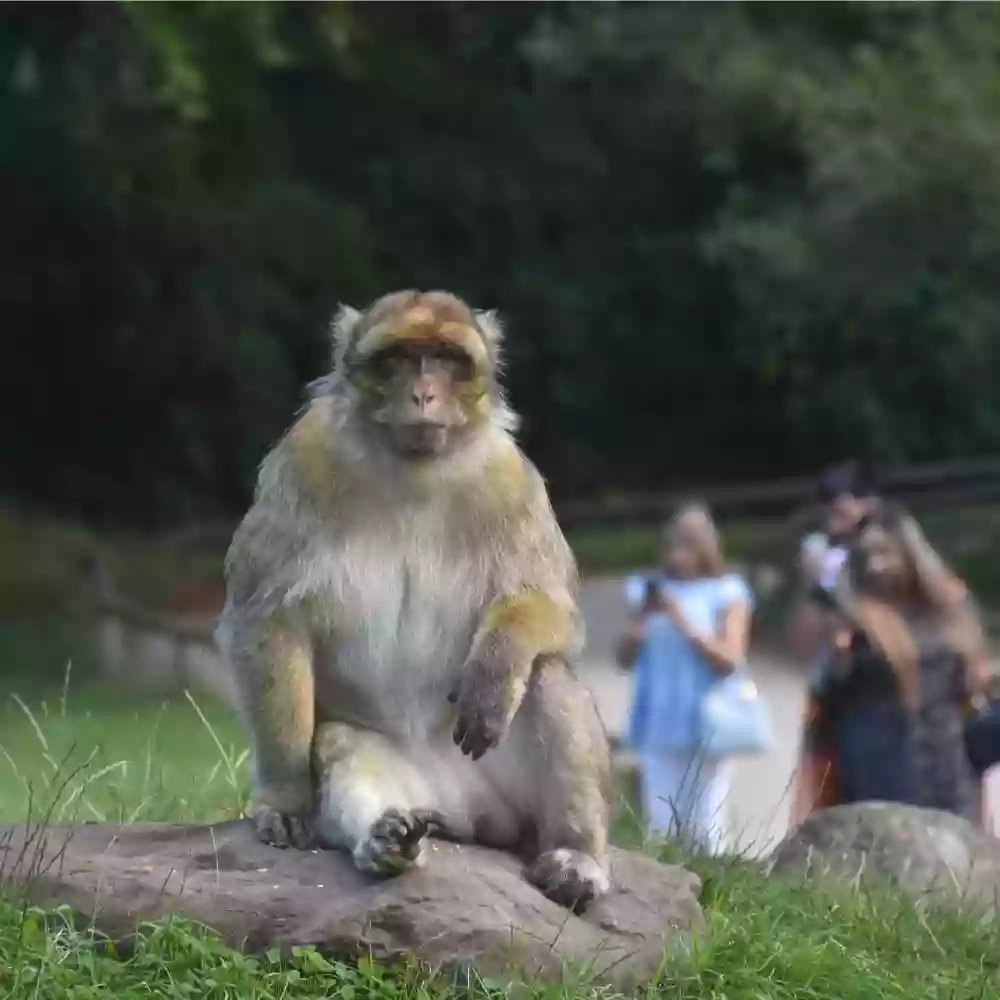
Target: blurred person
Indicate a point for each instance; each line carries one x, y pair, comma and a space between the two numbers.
905, 664
847, 495
690, 627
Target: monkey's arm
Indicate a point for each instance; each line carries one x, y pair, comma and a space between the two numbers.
270, 653
277, 698
534, 615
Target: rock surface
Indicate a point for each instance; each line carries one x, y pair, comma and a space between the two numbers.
468, 908
925, 852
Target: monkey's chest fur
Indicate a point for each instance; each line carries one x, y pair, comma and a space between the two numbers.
396, 601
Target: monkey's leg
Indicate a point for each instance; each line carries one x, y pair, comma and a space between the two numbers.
376, 802
573, 809
276, 689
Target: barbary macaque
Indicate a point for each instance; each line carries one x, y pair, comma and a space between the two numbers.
401, 615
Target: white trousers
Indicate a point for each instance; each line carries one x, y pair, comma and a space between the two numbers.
684, 796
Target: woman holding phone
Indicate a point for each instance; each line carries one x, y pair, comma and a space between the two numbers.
690, 627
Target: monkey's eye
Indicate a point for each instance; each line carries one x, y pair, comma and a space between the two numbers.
454, 358
446, 352
384, 364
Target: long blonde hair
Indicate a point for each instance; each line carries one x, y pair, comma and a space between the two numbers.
932, 589
696, 520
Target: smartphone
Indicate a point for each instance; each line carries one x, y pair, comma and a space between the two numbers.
653, 599
823, 597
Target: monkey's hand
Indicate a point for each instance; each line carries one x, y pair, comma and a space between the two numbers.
487, 698
516, 629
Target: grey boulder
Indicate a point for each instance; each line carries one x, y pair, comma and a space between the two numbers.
924, 852
468, 909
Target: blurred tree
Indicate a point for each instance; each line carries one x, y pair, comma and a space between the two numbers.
728, 241
171, 278
869, 291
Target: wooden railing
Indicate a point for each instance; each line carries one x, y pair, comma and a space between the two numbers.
152, 647
178, 641
930, 485
943, 483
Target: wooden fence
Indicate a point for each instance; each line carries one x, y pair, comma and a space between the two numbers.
929, 485
176, 646
147, 647
932, 485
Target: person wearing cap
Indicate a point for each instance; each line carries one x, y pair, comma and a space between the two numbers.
848, 497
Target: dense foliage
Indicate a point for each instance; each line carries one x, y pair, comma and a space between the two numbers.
729, 240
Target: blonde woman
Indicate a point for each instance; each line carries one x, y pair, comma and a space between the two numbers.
908, 659
690, 626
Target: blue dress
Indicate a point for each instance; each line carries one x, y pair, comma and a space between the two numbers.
671, 678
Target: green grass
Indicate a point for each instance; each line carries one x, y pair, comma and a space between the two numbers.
767, 938
136, 760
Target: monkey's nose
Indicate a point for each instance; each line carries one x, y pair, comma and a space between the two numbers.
424, 397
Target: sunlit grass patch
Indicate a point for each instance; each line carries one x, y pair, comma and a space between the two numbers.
175, 759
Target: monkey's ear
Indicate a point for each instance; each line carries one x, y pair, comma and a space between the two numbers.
345, 319
489, 323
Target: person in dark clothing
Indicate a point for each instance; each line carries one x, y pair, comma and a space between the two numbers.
906, 661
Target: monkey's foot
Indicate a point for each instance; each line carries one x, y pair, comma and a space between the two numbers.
395, 842
284, 829
570, 878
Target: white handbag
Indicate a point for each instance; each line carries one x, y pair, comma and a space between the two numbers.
735, 718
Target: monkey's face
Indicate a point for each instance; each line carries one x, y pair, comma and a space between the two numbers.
421, 395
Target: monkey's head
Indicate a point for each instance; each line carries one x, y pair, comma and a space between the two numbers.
422, 367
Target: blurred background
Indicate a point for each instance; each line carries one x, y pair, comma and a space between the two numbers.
731, 244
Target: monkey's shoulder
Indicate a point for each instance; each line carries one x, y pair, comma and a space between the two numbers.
319, 483
307, 471
509, 480
305, 458
277, 526
524, 526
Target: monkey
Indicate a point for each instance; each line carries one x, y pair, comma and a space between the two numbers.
401, 616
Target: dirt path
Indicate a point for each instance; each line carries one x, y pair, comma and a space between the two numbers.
760, 787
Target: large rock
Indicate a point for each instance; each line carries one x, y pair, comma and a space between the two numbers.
468, 908
925, 852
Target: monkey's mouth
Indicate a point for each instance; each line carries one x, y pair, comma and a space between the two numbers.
422, 438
